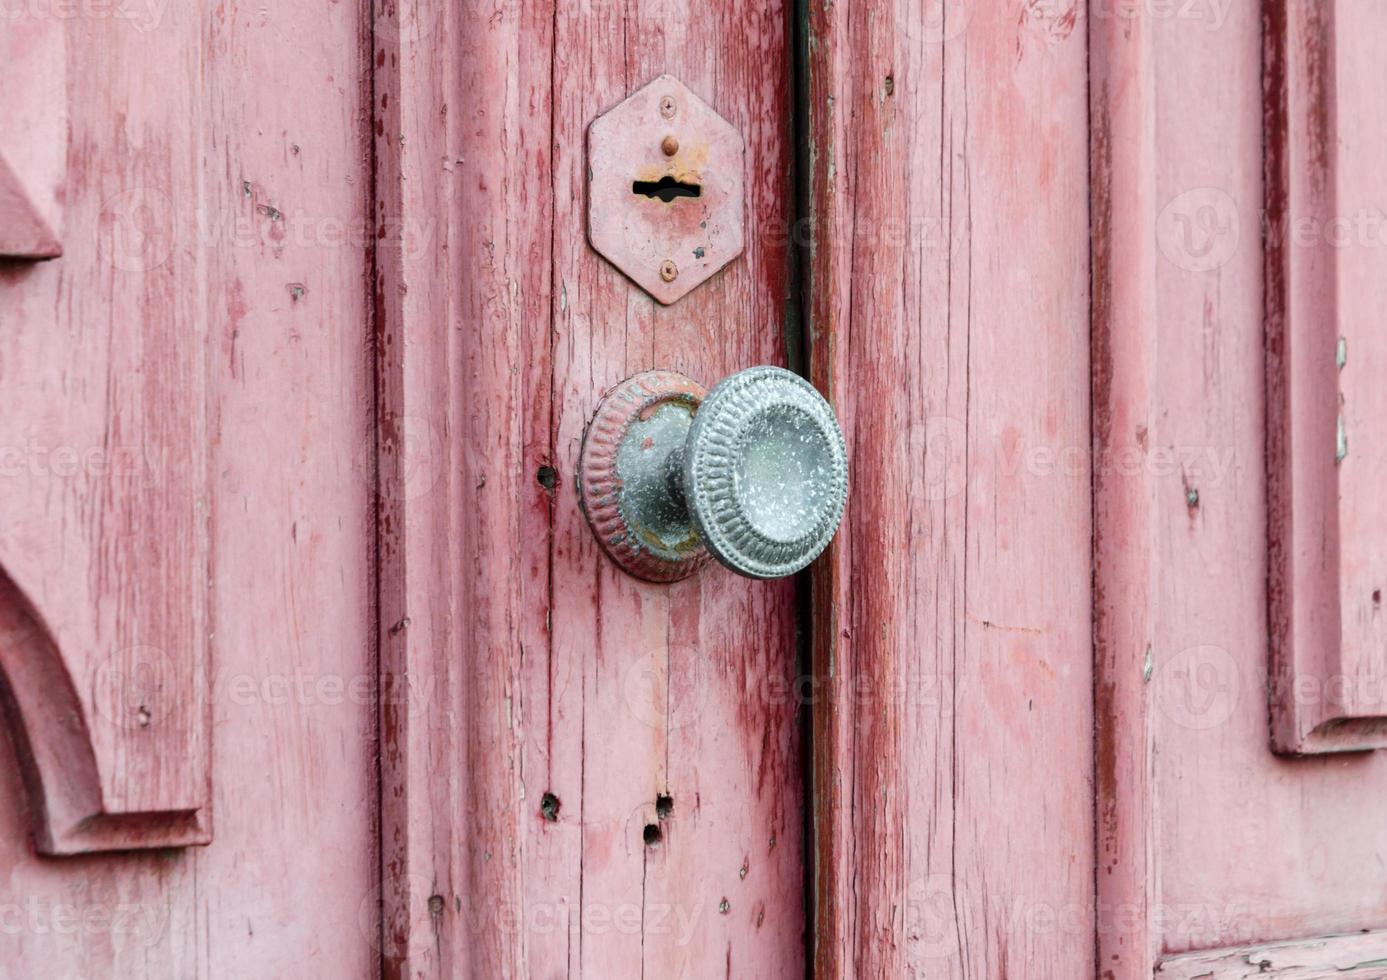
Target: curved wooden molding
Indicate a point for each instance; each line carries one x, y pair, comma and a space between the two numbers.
24, 232
1326, 405
56, 752
33, 134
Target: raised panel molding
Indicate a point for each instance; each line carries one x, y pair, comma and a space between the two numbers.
106, 501
33, 133
1326, 285
72, 812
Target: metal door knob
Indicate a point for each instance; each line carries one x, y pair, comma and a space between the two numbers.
753, 473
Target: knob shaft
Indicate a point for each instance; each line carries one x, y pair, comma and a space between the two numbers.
754, 473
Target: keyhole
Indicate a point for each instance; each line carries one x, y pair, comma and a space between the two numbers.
666, 189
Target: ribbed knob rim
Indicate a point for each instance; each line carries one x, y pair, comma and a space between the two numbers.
742, 415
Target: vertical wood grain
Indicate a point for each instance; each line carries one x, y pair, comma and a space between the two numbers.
668, 690
210, 312
1323, 258
1217, 843
104, 452
1124, 256
461, 277
1359, 233
949, 271
286, 156
573, 698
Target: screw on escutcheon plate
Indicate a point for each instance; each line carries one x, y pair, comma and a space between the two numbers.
753, 474
669, 271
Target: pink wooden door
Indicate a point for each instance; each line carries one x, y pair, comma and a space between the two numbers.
1239, 357
313, 666
186, 493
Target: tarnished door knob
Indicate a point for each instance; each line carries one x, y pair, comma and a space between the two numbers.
753, 473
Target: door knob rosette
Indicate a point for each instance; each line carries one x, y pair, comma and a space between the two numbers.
754, 473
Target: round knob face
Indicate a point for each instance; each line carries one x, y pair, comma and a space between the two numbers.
765, 472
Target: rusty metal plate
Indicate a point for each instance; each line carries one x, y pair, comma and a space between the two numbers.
665, 189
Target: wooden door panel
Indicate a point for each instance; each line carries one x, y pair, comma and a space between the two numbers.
289, 524
622, 791
104, 547
1210, 843
949, 326
666, 685
1326, 402
207, 329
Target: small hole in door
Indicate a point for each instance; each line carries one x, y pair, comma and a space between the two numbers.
666, 189
653, 834
549, 807
664, 806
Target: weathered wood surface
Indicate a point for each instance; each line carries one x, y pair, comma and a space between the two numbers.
209, 318
949, 301
1124, 355
1362, 956
1326, 358
104, 511
33, 132
1207, 840
572, 698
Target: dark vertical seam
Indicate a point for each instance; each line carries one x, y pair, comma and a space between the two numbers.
849, 702
375, 348
555, 286
1093, 487
797, 340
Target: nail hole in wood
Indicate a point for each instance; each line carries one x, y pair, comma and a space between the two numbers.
664, 806
549, 807
653, 835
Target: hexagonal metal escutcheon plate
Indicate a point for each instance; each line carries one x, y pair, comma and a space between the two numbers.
665, 189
